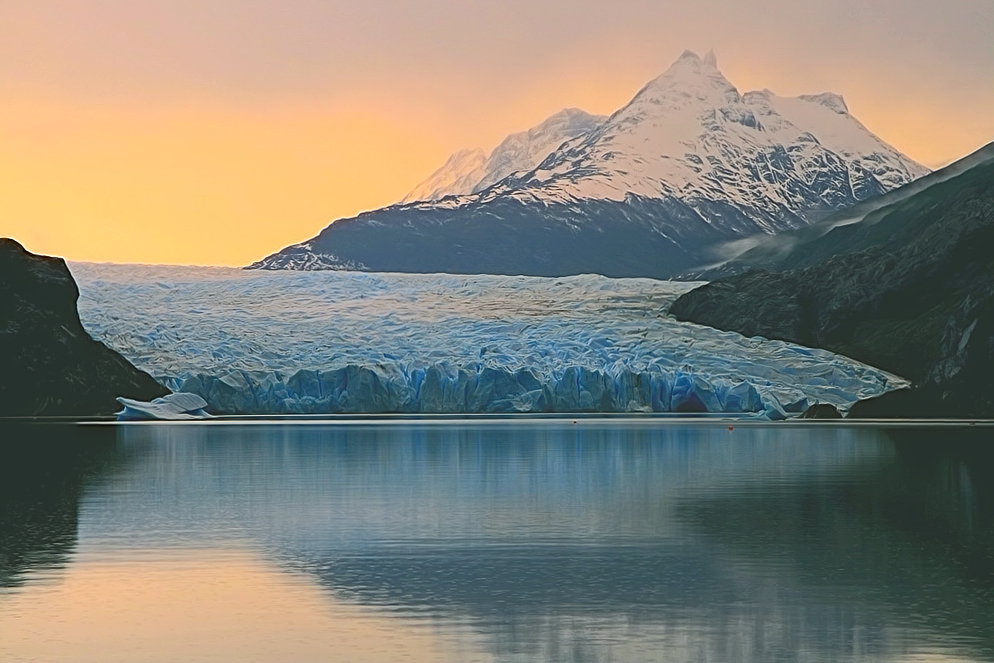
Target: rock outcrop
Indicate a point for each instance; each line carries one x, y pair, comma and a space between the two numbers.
49, 365
909, 288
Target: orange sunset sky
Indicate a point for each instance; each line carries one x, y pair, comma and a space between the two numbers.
218, 131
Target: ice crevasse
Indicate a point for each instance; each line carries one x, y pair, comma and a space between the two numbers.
253, 342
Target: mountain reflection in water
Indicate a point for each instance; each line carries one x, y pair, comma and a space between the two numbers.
527, 540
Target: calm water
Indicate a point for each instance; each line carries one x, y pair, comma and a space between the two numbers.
496, 541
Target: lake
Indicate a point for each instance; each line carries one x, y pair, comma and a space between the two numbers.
497, 539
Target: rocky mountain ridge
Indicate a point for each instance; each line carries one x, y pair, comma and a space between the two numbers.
908, 287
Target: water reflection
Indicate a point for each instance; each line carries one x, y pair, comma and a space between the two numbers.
561, 542
909, 543
42, 471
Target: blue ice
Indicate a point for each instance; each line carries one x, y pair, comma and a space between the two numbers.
254, 342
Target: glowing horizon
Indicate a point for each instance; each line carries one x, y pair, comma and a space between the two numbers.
219, 144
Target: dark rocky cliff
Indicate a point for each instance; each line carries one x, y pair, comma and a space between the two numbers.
909, 289
49, 365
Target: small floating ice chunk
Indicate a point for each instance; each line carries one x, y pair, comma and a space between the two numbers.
171, 407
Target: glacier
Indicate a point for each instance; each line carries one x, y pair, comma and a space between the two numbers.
337, 342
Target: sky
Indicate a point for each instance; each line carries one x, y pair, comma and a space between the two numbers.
218, 131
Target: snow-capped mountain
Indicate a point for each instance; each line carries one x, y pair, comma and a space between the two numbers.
470, 171
689, 162
459, 175
689, 134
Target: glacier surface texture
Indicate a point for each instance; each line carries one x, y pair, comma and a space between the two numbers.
258, 342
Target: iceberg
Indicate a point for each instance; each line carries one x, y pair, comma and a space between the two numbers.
258, 342
171, 407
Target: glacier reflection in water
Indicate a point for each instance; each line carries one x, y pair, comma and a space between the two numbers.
253, 342
533, 541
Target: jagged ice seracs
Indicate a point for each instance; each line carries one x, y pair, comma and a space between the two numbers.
258, 342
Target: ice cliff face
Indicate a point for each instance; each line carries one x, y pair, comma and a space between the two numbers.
688, 163
350, 342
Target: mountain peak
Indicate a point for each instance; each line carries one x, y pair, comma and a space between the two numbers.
690, 79
829, 100
690, 65
567, 117
692, 58
690, 134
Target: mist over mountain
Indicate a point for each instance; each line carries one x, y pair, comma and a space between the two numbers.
687, 165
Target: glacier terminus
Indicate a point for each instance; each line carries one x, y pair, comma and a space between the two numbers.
332, 342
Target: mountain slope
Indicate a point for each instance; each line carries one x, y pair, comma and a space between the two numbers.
909, 288
49, 365
688, 164
459, 174
640, 237
470, 171
846, 231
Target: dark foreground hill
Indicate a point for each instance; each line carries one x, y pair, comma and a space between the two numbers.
908, 288
49, 365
